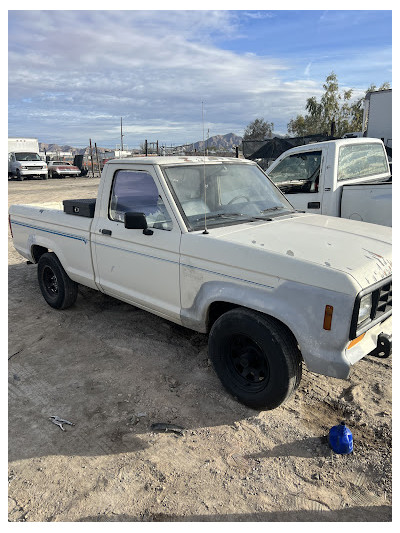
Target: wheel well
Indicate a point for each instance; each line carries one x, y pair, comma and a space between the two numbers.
37, 252
219, 308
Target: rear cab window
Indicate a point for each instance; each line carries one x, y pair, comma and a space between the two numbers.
361, 161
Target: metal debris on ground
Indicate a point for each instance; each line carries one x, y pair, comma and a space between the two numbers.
161, 426
59, 422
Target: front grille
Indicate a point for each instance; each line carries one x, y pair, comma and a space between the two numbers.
381, 307
382, 301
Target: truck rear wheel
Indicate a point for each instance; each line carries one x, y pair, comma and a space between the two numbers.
57, 288
255, 357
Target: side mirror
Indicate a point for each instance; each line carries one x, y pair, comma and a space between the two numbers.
137, 221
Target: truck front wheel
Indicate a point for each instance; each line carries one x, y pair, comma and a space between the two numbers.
255, 357
57, 288
20, 177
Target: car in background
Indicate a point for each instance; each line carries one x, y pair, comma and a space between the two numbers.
61, 169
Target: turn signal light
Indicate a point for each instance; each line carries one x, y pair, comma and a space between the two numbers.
328, 317
354, 341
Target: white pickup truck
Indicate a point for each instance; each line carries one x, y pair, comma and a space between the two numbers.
211, 244
348, 178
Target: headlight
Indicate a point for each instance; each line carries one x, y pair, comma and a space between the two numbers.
365, 308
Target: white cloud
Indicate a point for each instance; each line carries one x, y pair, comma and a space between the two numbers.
82, 70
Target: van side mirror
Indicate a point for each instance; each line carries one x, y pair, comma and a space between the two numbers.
137, 221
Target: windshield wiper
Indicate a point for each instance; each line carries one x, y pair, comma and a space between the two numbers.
221, 215
275, 208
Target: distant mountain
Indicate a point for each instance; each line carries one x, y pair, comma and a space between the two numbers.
67, 148
218, 142
222, 142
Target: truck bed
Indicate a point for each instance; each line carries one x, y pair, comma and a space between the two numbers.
367, 201
66, 235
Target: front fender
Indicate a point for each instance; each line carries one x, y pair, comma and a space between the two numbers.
300, 307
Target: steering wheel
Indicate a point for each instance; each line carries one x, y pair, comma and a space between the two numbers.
237, 197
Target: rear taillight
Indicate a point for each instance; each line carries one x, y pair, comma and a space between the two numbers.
9, 223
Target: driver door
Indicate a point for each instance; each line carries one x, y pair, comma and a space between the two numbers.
141, 269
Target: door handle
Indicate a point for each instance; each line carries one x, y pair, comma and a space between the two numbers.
106, 231
313, 205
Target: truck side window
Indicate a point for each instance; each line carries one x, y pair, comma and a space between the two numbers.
135, 191
298, 173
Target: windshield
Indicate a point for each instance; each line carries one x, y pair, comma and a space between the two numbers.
227, 193
59, 163
27, 156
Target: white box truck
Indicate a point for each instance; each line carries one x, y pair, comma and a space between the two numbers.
24, 159
377, 117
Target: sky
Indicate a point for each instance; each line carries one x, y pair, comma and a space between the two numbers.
73, 74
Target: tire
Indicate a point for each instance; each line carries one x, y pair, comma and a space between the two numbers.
57, 288
45, 177
19, 176
255, 357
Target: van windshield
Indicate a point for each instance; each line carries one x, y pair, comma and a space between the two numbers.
27, 156
227, 193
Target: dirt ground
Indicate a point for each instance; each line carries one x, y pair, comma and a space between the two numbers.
113, 370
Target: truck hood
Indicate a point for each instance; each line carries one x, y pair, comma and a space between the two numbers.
361, 250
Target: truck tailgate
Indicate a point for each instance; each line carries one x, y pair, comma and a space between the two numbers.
68, 236
367, 201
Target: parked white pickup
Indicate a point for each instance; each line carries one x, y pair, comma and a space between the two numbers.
213, 245
348, 178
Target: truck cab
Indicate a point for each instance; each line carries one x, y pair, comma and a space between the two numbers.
317, 178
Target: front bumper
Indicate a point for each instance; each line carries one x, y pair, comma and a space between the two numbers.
68, 172
33, 172
376, 340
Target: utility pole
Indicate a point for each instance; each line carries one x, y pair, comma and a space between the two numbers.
91, 156
97, 158
122, 142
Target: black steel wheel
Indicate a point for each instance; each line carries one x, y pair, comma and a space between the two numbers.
57, 288
255, 357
